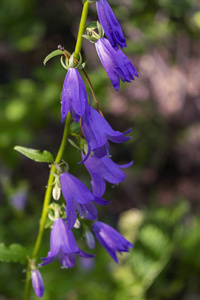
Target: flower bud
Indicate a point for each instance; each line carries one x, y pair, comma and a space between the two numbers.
77, 224
90, 239
37, 282
56, 192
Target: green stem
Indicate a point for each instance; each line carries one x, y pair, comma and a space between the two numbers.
48, 193
47, 199
81, 30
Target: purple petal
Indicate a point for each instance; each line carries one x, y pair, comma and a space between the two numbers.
115, 62
74, 95
74, 189
110, 24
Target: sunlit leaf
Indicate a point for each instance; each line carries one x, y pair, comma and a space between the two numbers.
35, 155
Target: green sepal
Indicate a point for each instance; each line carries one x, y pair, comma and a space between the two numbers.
73, 144
35, 155
64, 64
91, 25
74, 128
100, 30
90, 38
51, 55
82, 66
15, 253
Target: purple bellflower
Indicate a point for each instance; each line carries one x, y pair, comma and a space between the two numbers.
78, 198
115, 62
110, 24
63, 245
110, 239
102, 169
37, 282
74, 96
97, 132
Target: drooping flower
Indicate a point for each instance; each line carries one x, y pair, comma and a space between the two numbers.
74, 96
97, 132
110, 24
102, 169
37, 282
111, 239
78, 198
63, 245
115, 62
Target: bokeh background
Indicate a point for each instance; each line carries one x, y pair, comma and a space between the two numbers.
157, 207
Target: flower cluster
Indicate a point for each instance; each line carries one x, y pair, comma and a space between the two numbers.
93, 140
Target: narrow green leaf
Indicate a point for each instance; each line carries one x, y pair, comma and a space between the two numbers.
90, 38
35, 155
51, 55
73, 144
14, 253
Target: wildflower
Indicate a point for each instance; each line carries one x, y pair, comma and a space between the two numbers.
74, 96
62, 244
97, 132
37, 282
102, 169
110, 239
78, 198
110, 24
115, 62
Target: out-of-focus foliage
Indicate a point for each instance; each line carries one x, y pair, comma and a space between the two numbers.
162, 107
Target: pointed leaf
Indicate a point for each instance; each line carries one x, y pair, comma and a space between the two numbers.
35, 155
14, 253
73, 144
90, 38
51, 55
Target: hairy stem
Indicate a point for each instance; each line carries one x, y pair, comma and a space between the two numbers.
48, 193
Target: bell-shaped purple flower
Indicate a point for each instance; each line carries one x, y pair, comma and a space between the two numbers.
97, 132
37, 282
62, 242
110, 24
74, 96
78, 198
102, 169
115, 62
111, 239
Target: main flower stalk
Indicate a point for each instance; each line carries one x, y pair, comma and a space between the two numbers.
48, 193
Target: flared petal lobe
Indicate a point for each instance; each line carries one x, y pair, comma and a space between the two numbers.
97, 132
102, 169
115, 62
74, 96
110, 24
37, 283
111, 239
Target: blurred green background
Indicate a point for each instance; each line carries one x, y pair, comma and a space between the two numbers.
157, 206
